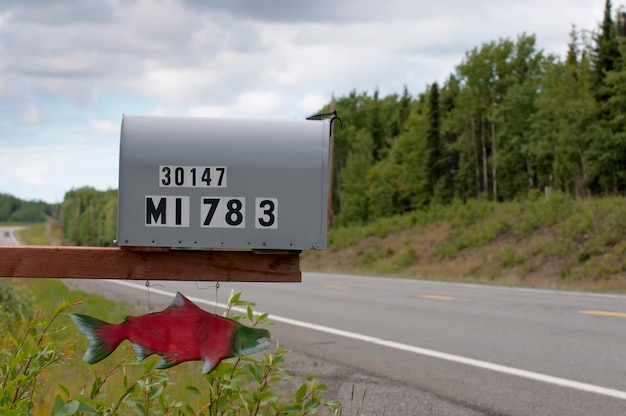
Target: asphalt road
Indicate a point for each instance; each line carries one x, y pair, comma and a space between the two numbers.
441, 348
7, 238
431, 348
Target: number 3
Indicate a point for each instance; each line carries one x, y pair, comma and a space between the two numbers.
166, 177
266, 213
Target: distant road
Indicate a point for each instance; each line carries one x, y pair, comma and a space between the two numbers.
433, 348
7, 236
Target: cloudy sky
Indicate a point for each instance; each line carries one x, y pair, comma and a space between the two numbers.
69, 69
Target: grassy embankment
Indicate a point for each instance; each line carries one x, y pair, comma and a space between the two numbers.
43, 234
554, 243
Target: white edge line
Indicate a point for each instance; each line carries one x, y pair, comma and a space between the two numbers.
591, 388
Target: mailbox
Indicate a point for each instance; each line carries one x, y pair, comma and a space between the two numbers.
223, 183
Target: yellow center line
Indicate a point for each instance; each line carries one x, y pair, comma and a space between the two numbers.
604, 313
336, 287
437, 297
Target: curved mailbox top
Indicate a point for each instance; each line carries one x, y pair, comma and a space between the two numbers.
223, 183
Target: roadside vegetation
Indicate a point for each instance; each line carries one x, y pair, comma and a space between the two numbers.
41, 371
554, 242
48, 233
15, 211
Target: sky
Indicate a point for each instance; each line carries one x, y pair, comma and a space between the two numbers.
70, 69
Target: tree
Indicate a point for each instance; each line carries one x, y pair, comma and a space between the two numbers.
353, 187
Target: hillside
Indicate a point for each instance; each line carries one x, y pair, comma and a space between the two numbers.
555, 243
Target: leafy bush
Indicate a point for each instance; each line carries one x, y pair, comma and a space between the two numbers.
14, 305
25, 356
238, 386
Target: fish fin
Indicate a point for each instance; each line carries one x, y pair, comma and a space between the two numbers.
99, 347
166, 362
180, 301
208, 366
141, 352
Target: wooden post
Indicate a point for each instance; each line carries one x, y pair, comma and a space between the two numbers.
151, 263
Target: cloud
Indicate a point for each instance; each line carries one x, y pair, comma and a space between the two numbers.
106, 127
31, 115
47, 172
70, 68
31, 172
311, 103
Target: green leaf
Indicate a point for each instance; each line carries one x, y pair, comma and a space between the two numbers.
245, 303
222, 403
64, 389
301, 393
151, 364
333, 404
84, 408
291, 409
58, 404
256, 371
250, 315
312, 403
156, 392
234, 298
67, 409
194, 390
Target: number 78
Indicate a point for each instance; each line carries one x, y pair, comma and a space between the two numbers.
230, 212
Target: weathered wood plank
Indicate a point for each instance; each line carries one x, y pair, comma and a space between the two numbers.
115, 263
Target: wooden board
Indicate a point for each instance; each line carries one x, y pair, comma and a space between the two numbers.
149, 264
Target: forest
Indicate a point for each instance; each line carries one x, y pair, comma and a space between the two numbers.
509, 123
16, 210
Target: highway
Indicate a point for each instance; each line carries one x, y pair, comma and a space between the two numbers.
434, 348
7, 236
441, 348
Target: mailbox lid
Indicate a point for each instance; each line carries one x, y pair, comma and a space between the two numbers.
268, 183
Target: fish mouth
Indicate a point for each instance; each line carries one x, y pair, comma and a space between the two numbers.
262, 343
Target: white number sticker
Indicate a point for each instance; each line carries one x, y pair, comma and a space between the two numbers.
167, 211
223, 212
266, 213
192, 176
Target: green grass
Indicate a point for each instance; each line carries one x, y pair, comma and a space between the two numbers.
42, 234
33, 235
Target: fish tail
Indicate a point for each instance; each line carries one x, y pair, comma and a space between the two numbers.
103, 339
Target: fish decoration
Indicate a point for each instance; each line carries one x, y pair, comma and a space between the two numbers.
181, 332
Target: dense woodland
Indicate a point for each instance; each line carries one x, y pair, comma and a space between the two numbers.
89, 217
509, 122
13, 209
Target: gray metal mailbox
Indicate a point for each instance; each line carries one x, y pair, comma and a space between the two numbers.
223, 183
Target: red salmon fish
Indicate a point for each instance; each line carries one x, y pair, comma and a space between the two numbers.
181, 332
